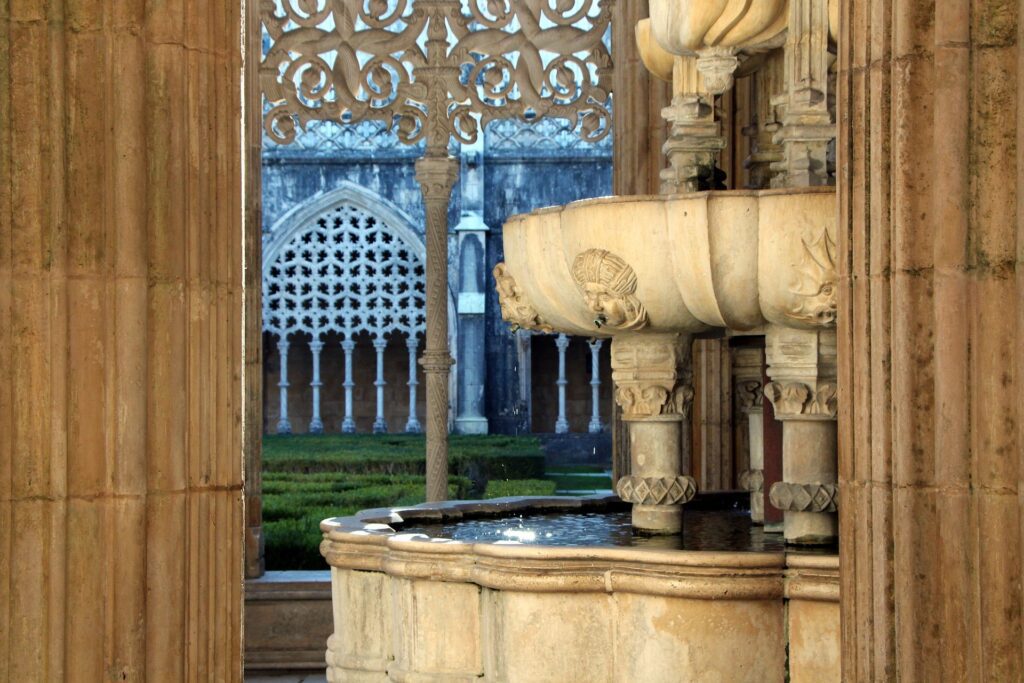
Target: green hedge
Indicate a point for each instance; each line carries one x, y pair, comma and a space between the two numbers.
295, 504
519, 487
479, 458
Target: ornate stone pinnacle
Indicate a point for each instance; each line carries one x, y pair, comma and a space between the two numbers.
791, 497
656, 490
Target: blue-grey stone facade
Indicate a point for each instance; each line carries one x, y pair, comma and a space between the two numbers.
515, 168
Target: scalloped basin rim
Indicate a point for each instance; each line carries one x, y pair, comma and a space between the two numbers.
633, 198
374, 527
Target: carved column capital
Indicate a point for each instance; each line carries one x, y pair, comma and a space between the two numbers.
651, 379
796, 400
437, 176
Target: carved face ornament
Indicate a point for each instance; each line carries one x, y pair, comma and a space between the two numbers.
608, 285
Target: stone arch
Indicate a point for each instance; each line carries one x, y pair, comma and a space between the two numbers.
384, 248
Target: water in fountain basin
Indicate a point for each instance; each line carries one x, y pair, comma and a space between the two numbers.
717, 530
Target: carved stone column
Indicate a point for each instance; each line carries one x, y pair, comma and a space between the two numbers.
562, 422
284, 425
595, 426
808, 125
316, 424
412, 425
652, 384
437, 175
802, 369
748, 390
348, 424
695, 137
380, 425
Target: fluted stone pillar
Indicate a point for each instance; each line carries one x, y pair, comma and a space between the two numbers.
121, 353
652, 384
931, 339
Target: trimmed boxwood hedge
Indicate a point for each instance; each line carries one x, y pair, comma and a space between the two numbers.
308, 478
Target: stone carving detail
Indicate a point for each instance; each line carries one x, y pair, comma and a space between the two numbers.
791, 497
352, 61
515, 309
792, 399
656, 490
609, 285
752, 480
649, 400
347, 272
749, 394
816, 283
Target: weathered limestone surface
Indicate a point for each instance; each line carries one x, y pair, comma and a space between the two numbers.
930, 318
121, 363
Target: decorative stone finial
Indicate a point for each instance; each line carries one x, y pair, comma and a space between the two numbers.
608, 285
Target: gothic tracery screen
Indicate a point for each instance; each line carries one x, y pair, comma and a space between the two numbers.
347, 272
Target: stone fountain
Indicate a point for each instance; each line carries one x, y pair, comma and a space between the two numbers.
650, 273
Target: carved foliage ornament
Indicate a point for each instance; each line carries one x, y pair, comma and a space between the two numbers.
792, 399
816, 282
515, 308
608, 285
650, 400
436, 69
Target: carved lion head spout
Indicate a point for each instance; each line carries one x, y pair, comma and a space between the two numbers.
515, 309
816, 284
608, 285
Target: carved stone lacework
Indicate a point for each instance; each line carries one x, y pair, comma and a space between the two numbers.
515, 308
816, 283
656, 490
355, 60
347, 272
608, 285
791, 497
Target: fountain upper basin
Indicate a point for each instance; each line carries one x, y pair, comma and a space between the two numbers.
682, 263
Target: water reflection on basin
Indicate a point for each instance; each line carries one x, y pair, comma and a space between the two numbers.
716, 530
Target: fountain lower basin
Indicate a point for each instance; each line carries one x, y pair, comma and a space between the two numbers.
412, 607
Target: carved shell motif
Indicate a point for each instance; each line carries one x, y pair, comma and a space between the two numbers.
608, 285
515, 308
816, 282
